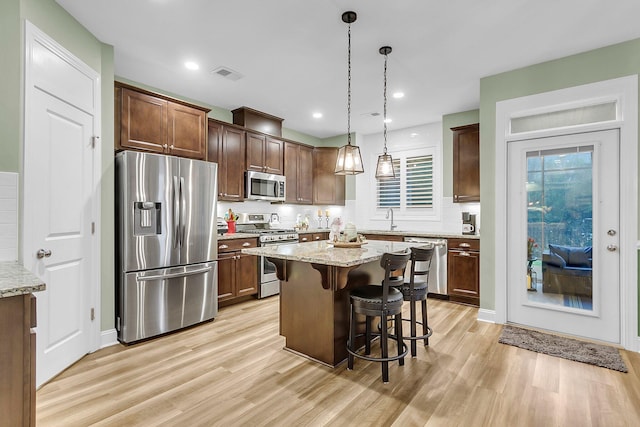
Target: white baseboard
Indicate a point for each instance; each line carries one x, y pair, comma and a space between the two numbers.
108, 338
485, 315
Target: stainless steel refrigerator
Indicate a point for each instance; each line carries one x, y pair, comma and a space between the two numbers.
166, 244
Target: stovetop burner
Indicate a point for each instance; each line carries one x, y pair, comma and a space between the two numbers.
259, 224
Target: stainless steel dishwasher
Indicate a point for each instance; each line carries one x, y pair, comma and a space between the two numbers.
438, 272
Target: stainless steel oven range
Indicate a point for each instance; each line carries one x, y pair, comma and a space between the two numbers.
259, 224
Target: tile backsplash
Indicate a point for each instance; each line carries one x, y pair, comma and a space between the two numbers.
8, 216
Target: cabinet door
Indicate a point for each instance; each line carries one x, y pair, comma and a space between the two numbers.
291, 171
247, 274
226, 275
187, 131
143, 122
232, 152
273, 156
328, 188
464, 276
305, 174
255, 152
298, 168
466, 163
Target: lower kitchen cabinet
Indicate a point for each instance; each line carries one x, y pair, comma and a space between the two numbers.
385, 237
313, 237
237, 272
463, 261
18, 360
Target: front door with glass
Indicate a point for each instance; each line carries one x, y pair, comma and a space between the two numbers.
564, 203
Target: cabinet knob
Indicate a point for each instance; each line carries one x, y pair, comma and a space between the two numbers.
245, 244
223, 247
304, 239
164, 146
172, 146
317, 237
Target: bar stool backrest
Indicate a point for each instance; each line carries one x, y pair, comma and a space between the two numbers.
392, 262
423, 256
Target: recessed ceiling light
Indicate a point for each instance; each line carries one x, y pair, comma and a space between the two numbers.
398, 95
388, 120
191, 65
413, 135
317, 115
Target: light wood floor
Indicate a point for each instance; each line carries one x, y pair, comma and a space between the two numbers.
233, 372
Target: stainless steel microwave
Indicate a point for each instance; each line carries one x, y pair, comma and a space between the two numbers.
264, 186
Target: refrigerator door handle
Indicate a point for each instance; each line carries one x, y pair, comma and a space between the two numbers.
183, 213
176, 212
173, 275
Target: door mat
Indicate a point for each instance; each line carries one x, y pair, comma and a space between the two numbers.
567, 348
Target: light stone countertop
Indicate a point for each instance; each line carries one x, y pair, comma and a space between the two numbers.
324, 253
402, 233
17, 280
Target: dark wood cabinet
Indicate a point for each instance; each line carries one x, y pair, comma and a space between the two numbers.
463, 271
466, 163
385, 237
328, 188
18, 360
264, 153
298, 168
150, 122
226, 147
237, 272
313, 237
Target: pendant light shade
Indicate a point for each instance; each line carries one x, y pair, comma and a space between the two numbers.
349, 160
384, 168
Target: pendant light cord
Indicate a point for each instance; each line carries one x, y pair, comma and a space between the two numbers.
385, 103
349, 89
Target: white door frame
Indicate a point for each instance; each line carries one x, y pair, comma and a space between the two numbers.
624, 91
32, 35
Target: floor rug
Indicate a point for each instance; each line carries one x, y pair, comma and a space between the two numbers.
580, 351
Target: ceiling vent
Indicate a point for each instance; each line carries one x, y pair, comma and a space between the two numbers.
227, 73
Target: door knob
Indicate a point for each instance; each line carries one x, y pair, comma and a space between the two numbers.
612, 248
42, 253
611, 232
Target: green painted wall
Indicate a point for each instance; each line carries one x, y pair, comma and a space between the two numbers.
601, 64
10, 84
107, 195
450, 121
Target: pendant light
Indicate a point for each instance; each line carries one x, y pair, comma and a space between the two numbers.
349, 161
384, 168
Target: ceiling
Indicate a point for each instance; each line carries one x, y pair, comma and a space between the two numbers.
293, 54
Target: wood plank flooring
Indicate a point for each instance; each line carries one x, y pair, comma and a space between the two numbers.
234, 372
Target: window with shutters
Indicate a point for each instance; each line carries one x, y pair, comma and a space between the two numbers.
413, 186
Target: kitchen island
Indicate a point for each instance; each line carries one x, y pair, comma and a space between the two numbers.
314, 292
18, 344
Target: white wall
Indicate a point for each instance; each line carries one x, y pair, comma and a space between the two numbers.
8, 216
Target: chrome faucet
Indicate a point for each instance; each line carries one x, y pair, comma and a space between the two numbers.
392, 226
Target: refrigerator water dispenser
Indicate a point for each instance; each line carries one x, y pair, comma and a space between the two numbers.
146, 218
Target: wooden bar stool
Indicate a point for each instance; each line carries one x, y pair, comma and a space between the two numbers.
415, 290
379, 301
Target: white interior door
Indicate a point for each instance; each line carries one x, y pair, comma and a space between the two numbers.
60, 124
563, 191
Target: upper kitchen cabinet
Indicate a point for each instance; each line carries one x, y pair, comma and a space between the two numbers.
226, 147
328, 188
150, 122
466, 163
298, 168
265, 153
